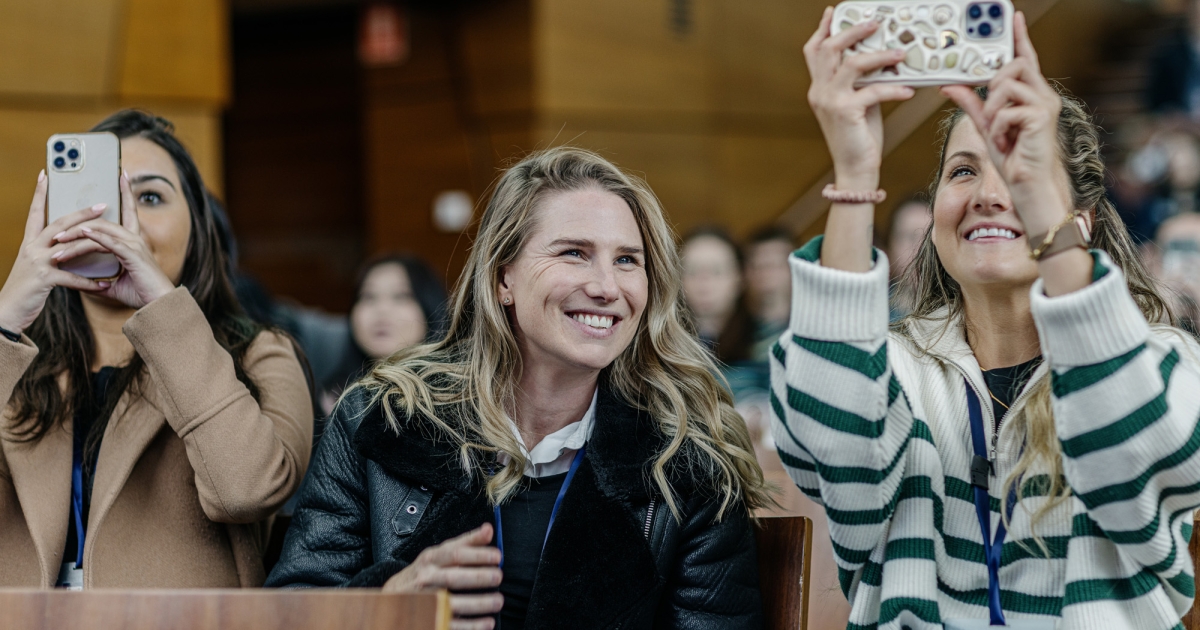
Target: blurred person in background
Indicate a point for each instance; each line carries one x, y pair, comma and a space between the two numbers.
322, 337
1173, 87
1178, 266
151, 428
568, 417
713, 291
1168, 167
398, 303
768, 286
906, 229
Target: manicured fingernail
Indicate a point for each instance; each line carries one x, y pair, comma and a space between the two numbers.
88, 230
98, 208
59, 235
102, 284
42, 175
58, 255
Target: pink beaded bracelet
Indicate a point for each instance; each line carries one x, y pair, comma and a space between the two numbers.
853, 196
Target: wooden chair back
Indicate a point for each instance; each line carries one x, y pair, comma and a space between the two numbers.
1191, 620
784, 567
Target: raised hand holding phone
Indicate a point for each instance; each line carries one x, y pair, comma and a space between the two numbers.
1019, 122
35, 272
142, 280
852, 124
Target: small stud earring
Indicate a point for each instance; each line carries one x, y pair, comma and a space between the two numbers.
507, 301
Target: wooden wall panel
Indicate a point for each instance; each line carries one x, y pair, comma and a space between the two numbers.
447, 119
57, 48
295, 153
715, 115
176, 49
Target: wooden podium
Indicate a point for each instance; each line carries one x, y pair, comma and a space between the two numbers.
250, 609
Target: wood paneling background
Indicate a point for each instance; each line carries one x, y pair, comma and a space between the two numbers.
447, 119
295, 154
329, 162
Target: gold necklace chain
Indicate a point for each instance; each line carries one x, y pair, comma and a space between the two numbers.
996, 399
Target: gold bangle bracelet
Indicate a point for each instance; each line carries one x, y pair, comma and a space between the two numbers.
1036, 254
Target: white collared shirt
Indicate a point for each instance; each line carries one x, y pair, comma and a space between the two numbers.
553, 455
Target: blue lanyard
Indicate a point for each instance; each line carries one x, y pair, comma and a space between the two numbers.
980, 469
562, 492
77, 498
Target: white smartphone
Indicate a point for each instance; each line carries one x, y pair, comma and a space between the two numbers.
84, 169
946, 42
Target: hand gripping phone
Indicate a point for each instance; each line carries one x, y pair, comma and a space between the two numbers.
84, 169
946, 42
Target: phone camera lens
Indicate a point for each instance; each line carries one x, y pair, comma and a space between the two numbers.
73, 154
995, 12
985, 30
59, 162
975, 12
59, 146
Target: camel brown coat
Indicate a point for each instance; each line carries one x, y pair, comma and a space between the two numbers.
190, 471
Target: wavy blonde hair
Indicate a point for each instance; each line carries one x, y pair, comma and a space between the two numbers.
934, 289
466, 382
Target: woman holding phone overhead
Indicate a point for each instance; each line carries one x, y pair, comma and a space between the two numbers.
564, 456
151, 429
1022, 449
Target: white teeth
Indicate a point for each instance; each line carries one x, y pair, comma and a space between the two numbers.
982, 232
595, 321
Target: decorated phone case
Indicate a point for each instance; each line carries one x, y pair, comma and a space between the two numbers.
947, 42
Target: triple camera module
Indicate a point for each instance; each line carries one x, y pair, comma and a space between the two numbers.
68, 155
985, 20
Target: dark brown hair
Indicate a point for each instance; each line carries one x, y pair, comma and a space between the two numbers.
734, 341
65, 341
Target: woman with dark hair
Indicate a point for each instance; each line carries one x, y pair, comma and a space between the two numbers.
712, 288
1022, 450
398, 303
151, 429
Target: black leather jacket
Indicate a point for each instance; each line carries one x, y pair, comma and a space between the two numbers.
616, 558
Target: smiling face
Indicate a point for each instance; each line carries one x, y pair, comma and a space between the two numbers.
979, 238
163, 213
386, 318
579, 286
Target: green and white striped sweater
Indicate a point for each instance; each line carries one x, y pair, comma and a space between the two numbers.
877, 431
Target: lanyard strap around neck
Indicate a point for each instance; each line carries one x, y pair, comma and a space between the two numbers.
562, 492
77, 499
983, 509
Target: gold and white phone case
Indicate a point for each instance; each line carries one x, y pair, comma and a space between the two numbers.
946, 42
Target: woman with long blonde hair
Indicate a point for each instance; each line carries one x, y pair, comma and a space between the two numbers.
566, 443
1022, 449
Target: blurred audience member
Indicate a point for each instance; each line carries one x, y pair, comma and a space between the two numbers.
712, 288
906, 228
1169, 167
200, 416
321, 336
1179, 266
1174, 82
398, 303
768, 286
